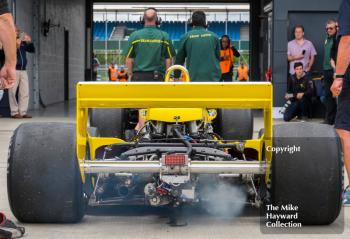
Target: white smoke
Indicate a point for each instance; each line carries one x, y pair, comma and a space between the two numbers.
224, 200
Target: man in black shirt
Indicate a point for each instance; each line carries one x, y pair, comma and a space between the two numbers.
8, 40
299, 91
341, 88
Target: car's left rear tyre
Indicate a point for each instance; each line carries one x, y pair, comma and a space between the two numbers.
43, 179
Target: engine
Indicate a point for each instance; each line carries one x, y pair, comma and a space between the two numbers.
174, 146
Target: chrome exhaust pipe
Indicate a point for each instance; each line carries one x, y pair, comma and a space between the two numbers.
195, 167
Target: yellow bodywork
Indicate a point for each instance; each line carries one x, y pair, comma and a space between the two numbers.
172, 102
180, 115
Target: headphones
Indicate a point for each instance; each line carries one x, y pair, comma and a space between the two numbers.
158, 19
190, 23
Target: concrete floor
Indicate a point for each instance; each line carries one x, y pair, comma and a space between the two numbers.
142, 222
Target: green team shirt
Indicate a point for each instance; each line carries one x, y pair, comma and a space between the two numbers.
327, 53
149, 47
201, 49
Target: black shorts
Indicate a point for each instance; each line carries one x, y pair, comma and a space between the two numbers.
147, 76
342, 120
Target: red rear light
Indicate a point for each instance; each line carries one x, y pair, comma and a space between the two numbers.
175, 159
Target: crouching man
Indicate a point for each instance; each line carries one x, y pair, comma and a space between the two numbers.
299, 92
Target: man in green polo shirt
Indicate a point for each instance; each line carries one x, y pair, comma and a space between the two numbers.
328, 72
201, 49
150, 50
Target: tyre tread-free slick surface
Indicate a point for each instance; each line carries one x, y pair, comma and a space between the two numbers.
312, 178
43, 179
109, 122
235, 124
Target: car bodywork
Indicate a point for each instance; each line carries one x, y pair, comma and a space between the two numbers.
164, 102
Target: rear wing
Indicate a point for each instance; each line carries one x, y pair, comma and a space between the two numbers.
247, 95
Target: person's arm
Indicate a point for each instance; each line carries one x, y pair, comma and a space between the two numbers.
129, 62
168, 63
343, 55
109, 74
343, 61
29, 47
217, 49
334, 52
236, 52
311, 63
295, 58
309, 88
130, 55
292, 57
290, 88
180, 56
332, 64
8, 40
312, 58
169, 53
28, 44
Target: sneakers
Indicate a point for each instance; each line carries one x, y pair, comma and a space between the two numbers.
346, 197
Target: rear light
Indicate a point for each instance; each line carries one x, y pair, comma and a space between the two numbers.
175, 159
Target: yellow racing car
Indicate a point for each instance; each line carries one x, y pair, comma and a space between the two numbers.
196, 136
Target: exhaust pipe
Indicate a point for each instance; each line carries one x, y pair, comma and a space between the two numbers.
196, 167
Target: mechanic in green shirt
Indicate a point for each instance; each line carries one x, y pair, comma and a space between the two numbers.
201, 50
328, 72
150, 50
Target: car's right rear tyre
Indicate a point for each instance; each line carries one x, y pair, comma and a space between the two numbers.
312, 178
43, 179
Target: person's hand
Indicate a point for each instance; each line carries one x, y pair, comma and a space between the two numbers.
286, 97
337, 87
18, 43
299, 57
7, 76
27, 38
300, 96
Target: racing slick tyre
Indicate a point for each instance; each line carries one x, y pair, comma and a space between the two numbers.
43, 178
235, 124
309, 178
109, 122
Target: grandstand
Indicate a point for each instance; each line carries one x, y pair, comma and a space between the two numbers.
108, 31
113, 25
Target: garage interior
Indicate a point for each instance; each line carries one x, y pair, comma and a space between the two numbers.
62, 34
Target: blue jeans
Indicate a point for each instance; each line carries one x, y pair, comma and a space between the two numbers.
296, 108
